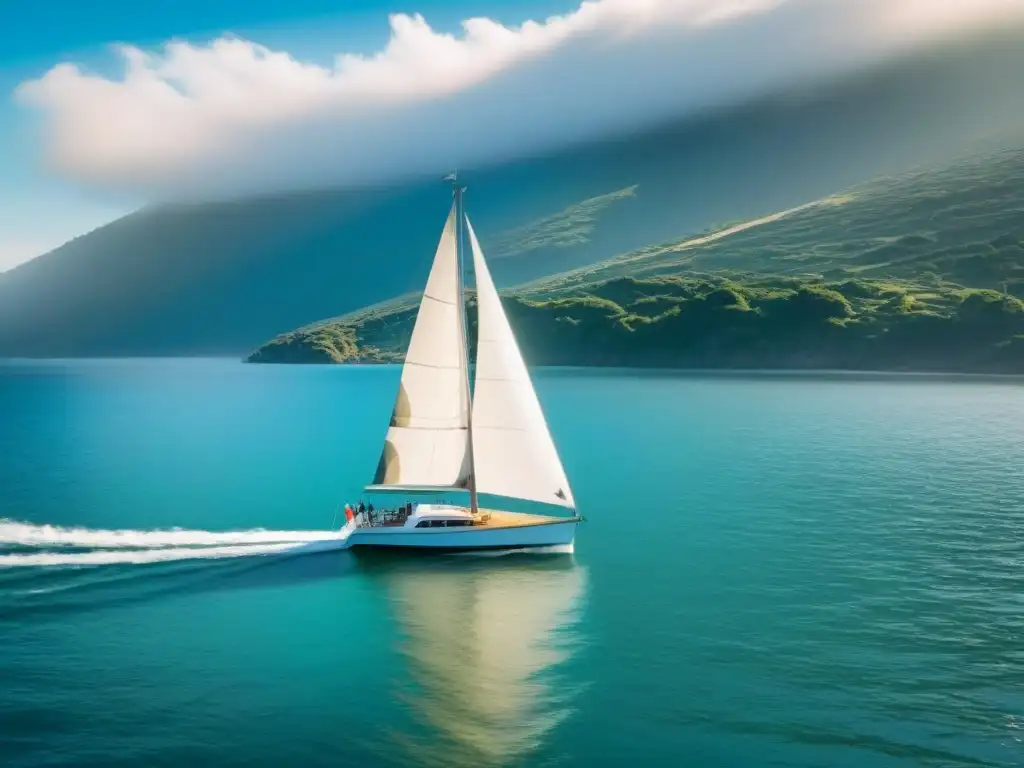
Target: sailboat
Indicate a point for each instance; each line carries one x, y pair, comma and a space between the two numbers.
450, 443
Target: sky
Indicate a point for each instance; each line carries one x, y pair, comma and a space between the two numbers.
40, 207
110, 105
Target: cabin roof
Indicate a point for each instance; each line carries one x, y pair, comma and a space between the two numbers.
447, 511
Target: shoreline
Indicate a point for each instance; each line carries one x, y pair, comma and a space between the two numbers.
638, 370
723, 372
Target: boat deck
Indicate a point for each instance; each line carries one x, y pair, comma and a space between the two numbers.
493, 518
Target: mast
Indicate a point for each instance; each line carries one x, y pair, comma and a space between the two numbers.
460, 217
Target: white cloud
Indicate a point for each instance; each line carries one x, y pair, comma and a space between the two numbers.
233, 116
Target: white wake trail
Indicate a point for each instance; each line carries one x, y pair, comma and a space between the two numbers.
128, 547
13, 532
138, 556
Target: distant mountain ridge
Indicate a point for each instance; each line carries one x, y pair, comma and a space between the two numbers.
961, 221
220, 278
919, 272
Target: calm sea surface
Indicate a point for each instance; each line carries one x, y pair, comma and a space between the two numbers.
775, 570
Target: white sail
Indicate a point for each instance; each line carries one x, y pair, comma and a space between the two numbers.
513, 453
427, 441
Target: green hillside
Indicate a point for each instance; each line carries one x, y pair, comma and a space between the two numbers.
963, 223
920, 272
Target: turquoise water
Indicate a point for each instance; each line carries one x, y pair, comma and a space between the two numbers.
775, 570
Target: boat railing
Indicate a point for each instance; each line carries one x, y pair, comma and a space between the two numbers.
383, 518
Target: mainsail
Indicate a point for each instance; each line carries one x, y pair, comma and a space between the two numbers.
427, 442
513, 453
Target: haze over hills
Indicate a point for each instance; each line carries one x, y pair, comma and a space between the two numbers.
216, 278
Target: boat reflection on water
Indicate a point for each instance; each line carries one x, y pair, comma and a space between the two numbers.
484, 640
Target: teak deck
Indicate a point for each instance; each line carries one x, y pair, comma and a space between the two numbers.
493, 518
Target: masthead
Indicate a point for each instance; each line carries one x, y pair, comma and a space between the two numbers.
453, 179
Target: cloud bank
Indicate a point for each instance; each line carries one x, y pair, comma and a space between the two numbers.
233, 117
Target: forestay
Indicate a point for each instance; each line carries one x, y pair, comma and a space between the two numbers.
514, 455
426, 444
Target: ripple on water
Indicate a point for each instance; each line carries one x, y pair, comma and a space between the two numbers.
774, 572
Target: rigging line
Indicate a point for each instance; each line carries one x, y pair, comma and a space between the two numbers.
334, 520
337, 507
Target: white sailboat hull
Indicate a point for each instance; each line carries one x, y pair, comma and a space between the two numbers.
538, 535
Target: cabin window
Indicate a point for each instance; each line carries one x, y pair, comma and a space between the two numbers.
443, 523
